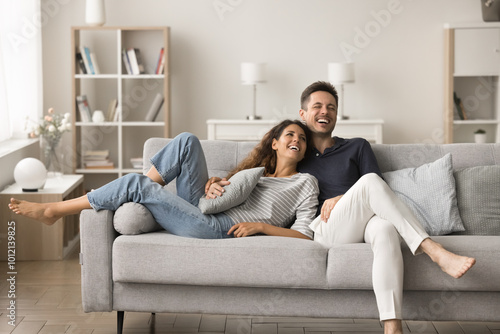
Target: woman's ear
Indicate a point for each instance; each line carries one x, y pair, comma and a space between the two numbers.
273, 145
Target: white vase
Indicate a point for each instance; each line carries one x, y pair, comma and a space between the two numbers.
480, 138
95, 14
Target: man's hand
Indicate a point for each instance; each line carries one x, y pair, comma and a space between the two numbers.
245, 229
215, 187
328, 206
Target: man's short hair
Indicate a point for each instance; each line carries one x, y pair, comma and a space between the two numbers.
318, 86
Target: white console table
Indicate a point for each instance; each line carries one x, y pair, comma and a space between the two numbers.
244, 130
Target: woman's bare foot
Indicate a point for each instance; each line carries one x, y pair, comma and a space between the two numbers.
452, 264
38, 211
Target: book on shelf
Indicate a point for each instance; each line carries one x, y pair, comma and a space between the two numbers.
126, 62
155, 108
161, 62
107, 164
94, 63
112, 116
460, 107
84, 108
80, 62
87, 60
135, 61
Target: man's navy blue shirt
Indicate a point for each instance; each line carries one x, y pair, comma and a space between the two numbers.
340, 166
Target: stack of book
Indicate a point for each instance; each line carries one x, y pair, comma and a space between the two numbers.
97, 159
86, 61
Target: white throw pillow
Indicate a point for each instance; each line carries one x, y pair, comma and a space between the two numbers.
242, 184
429, 191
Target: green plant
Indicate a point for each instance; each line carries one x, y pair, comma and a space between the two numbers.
478, 131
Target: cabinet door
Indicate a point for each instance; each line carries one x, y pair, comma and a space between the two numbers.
477, 52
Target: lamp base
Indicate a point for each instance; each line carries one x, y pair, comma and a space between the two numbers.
29, 190
253, 117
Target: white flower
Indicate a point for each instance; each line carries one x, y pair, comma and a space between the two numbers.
67, 116
52, 128
68, 126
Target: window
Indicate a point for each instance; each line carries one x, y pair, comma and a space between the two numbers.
20, 66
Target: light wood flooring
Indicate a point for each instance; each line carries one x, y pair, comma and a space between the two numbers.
48, 300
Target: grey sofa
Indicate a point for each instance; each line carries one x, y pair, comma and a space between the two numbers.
277, 276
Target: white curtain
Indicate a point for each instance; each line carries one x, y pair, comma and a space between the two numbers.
20, 66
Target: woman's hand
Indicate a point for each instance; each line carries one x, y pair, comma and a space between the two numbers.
215, 187
246, 229
328, 206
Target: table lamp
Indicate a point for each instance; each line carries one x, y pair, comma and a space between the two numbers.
339, 74
252, 74
30, 174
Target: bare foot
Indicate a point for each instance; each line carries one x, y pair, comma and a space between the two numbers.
393, 326
452, 264
38, 211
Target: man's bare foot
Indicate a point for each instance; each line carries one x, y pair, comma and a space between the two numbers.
393, 326
38, 211
452, 264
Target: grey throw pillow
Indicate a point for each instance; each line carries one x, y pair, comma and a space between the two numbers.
478, 196
429, 191
242, 184
134, 218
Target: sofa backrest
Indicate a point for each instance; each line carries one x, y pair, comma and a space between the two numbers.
223, 156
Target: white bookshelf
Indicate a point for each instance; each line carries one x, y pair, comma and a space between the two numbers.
472, 70
123, 137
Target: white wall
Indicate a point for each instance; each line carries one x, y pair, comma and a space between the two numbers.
399, 69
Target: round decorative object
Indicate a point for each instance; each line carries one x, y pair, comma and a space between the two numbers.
30, 174
95, 14
98, 117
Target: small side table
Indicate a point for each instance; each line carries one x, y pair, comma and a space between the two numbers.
35, 240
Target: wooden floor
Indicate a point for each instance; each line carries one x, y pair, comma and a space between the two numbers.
48, 300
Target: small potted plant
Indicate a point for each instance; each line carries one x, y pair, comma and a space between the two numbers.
480, 136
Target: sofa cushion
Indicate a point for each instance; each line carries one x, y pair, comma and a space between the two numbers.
133, 218
242, 184
350, 266
260, 261
429, 191
478, 196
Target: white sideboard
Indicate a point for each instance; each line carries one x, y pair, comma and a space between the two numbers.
254, 130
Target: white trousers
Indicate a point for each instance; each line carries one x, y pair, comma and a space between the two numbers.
370, 212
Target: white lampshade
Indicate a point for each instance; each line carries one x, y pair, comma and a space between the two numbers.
30, 174
340, 73
253, 73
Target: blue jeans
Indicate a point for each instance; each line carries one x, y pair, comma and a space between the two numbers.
184, 160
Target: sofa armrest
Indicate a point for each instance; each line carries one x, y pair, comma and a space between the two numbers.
97, 235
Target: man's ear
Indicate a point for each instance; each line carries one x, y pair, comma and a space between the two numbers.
302, 114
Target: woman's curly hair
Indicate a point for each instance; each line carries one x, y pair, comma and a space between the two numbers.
263, 154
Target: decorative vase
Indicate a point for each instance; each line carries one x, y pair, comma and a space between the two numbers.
52, 156
95, 14
480, 138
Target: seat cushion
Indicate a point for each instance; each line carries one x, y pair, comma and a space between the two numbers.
259, 261
350, 266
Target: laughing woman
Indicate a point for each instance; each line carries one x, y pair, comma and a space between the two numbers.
281, 186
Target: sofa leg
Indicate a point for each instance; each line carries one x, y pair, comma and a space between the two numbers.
120, 317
